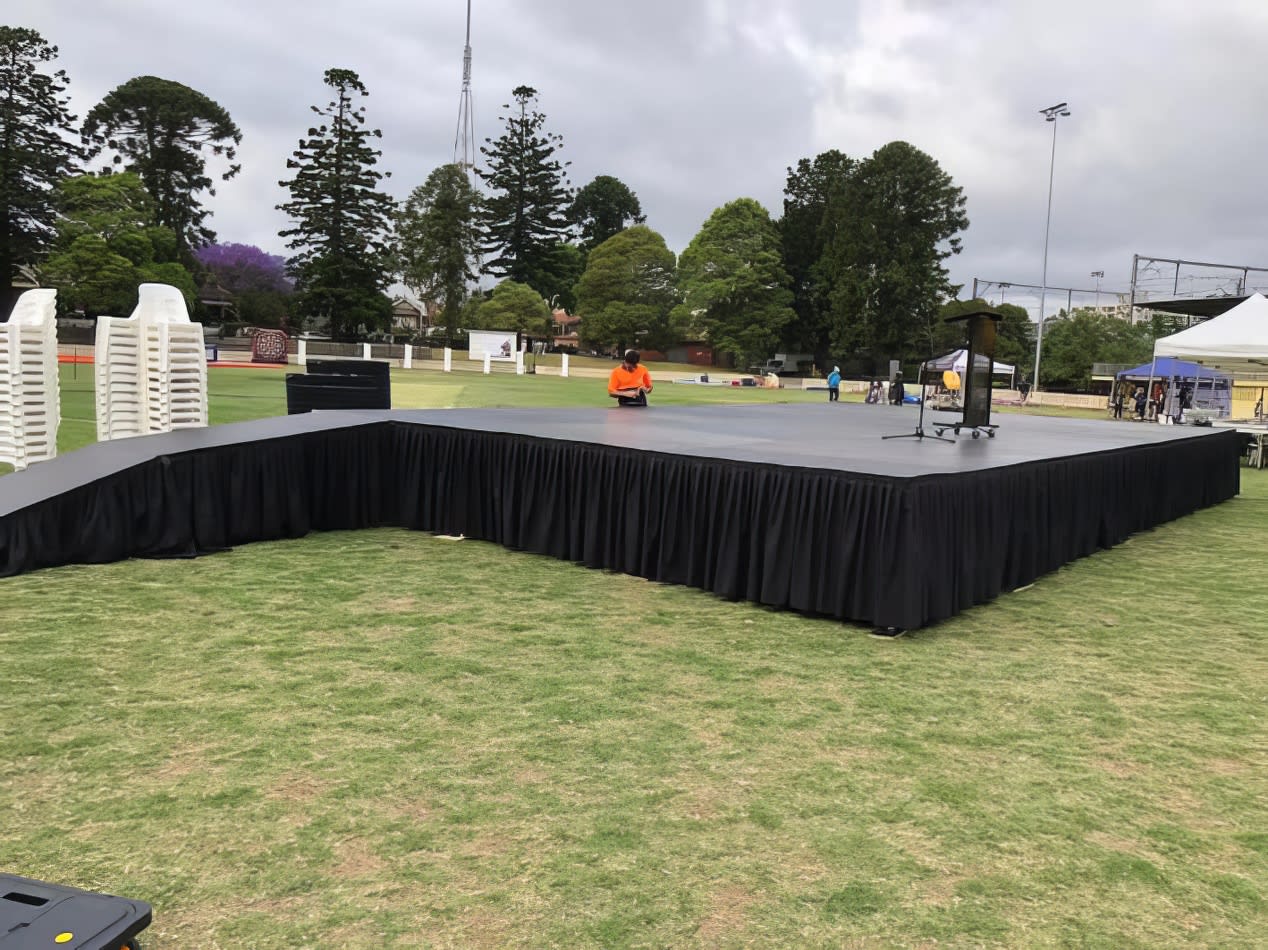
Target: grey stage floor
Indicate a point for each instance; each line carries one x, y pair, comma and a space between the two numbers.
842, 436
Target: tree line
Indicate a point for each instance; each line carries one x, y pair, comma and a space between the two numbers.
853, 268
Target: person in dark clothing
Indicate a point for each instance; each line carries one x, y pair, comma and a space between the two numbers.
1120, 397
896, 391
1140, 403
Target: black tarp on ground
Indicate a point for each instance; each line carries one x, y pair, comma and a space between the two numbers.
802, 507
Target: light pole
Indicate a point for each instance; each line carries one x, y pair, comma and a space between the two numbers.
1050, 114
1098, 274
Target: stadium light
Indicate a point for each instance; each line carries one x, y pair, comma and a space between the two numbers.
1050, 114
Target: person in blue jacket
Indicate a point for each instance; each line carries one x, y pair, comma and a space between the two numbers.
834, 384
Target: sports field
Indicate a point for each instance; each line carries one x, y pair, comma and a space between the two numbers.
383, 738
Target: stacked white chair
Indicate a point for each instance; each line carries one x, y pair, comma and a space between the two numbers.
30, 399
151, 368
117, 378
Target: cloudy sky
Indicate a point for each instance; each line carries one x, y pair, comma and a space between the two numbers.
696, 102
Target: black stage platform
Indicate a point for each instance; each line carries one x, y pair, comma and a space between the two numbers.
797, 506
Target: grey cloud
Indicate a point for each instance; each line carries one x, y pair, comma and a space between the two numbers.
696, 102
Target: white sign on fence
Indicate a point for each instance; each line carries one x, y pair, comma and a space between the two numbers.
498, 345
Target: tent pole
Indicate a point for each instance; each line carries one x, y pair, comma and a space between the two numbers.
1153, 367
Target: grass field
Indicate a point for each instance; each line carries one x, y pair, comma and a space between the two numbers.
383, 738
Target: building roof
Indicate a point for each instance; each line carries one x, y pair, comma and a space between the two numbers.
1193, 306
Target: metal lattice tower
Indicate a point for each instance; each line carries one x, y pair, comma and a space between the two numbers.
464, 150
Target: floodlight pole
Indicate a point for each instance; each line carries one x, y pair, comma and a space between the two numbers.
1050, 114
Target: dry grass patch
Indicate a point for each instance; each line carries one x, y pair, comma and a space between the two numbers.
726, 916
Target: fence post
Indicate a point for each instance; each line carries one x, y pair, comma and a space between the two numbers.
564, 368
408, 361
365, 351
487, 367
448, 360
302, 356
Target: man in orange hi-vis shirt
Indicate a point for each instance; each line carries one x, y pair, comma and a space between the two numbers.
630, 383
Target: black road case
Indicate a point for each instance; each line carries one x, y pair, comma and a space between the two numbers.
50, 916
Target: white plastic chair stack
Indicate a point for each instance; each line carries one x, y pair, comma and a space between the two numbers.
175, 360
117, 378
30, 398
151, 368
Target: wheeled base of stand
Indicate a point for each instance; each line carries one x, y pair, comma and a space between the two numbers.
977, 431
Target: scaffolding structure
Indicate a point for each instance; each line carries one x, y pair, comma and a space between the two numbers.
464, 147
1028, 296
1194, 288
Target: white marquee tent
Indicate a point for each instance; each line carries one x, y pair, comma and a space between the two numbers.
958, 360
1236, 340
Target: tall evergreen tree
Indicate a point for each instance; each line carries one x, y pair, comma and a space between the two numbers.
37, 150
437, 241
603, 208
734, 287
341, 218
160, 129
556, 273
889, 230
525, 212
807, 193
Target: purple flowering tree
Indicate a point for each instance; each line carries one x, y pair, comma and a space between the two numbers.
244, 268
262, 292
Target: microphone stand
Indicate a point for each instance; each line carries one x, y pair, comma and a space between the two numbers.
920, 432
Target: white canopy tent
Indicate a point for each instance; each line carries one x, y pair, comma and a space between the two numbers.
1236, 341
958, 360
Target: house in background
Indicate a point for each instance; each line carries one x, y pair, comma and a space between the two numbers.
216, 301
416, 319
24, 281
563, 330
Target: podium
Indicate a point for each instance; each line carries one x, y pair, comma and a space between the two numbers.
982, 330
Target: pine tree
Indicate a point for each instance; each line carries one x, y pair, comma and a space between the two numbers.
887, 233
341, 218
603, 208
37, 150
526, 215
161, 129
436, 240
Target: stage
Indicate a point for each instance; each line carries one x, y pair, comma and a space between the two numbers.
803, 507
